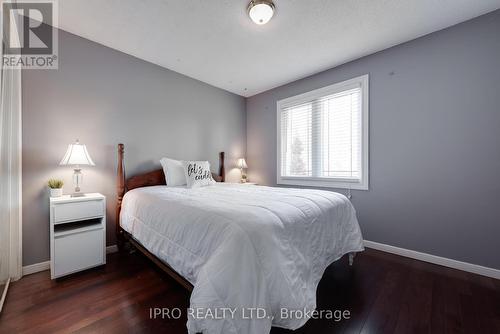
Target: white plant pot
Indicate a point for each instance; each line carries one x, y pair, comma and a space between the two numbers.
56, 192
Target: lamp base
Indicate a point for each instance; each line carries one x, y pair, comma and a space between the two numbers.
77, 180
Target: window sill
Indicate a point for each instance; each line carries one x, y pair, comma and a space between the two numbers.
322, 183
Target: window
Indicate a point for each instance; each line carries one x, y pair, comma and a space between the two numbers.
323, 137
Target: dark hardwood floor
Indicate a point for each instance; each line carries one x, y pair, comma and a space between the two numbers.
384, 294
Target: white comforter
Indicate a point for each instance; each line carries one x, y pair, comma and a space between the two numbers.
244, 247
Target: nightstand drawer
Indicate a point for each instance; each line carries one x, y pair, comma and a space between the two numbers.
78, 251
78, 210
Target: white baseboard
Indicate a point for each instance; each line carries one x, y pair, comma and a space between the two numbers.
442, 261
37, 267
111, 249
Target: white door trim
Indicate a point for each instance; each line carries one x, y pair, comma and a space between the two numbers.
4, 294
11, 192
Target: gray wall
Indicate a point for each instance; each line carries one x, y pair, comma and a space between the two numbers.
104, 97
434, 141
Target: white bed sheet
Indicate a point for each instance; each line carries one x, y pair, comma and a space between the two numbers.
244, 246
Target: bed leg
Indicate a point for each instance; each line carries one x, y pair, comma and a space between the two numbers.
351, 258
120, 241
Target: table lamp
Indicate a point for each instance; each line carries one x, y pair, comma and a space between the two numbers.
242, 164
77, 155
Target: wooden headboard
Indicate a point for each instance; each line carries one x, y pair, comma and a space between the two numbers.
153, 178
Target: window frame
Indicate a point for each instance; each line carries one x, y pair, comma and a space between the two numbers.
363, 183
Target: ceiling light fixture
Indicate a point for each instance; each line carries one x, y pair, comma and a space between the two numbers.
261, 11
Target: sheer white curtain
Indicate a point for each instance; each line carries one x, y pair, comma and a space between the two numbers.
10, 174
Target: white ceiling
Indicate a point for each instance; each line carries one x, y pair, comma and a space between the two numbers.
214, 40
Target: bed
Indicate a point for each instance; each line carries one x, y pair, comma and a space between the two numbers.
237, 247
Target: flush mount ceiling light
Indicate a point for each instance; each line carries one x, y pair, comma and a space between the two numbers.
261, 11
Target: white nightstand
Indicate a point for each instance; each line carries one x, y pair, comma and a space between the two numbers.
77, 233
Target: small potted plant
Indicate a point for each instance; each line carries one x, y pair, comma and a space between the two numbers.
55, 186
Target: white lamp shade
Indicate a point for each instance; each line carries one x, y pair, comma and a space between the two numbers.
241, 163
77, 154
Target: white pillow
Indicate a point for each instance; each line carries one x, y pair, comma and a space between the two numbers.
198, 174
174, 172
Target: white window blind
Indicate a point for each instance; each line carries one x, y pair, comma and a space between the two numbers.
322, 136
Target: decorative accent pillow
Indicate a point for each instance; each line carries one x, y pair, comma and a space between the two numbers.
174, 172
198, 174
